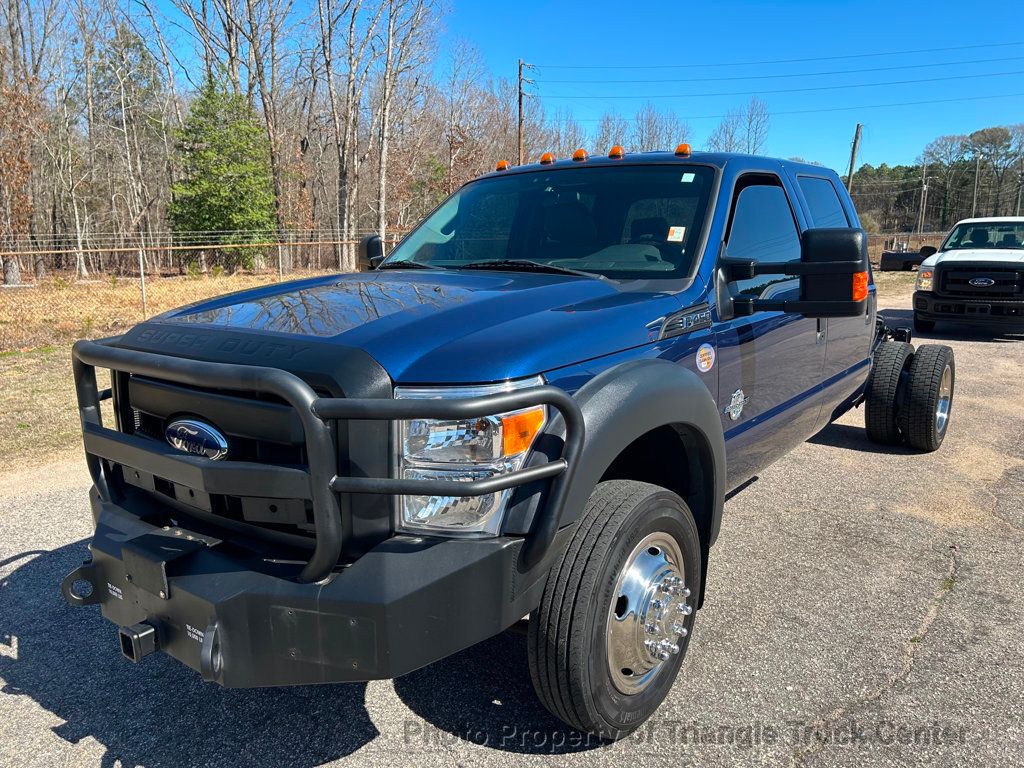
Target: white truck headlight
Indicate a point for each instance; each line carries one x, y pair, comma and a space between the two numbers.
466, 450
925, 276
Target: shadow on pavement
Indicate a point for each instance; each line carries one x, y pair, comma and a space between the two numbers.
484, 695
157, 713
949, 330
160, 713
855, 438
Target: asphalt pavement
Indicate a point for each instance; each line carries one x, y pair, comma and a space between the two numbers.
864, 607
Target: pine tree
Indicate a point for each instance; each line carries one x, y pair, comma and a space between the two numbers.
225, 184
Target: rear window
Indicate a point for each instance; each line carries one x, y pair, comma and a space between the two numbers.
823, 202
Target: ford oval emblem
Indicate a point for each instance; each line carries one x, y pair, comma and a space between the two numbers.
982, 282
196, 438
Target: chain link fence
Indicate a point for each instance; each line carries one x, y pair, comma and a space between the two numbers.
70, 288
69, 292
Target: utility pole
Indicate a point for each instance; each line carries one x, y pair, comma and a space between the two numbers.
853, 156
1020, 184
519, 133
977, 173
924, 198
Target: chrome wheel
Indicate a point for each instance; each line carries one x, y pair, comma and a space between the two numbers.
945, 399
647, 617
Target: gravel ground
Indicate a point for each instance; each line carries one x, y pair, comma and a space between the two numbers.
864, 607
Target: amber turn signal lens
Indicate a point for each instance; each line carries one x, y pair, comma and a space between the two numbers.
860, 286
519, 429
580, 155
502, 165
616, 152
547, 158
683, 150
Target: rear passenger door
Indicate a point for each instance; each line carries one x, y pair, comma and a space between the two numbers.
847, 339
770, 362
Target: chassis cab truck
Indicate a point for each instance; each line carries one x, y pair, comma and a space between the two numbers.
535, 405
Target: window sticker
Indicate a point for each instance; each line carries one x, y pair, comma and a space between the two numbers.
676, 234
688, 177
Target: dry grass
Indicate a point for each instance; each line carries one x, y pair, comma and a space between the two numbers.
38, 415
57, 311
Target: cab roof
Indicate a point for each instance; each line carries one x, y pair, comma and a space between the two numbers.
715, 159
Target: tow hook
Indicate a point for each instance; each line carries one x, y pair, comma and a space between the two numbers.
137, 641
85, 572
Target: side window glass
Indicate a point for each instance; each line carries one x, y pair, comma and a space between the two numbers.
823, 201
763, 229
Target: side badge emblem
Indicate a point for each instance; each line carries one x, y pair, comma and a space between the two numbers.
735, 407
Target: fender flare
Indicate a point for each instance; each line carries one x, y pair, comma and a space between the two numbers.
619, 405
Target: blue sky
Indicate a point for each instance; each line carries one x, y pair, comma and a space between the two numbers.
693, 36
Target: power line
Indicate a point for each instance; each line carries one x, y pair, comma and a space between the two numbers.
787, 90
840, 109
788, 74
779, 61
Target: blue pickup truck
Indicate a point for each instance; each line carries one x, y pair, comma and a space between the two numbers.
534, 406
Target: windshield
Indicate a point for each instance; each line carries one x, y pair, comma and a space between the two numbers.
626, 222
986, 235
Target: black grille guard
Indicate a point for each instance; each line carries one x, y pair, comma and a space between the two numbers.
320, 483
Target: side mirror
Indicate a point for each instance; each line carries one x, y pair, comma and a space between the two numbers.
833, 272
371, 252
928, 250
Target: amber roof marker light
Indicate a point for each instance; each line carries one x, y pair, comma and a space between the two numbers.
580, 155
547, 158
616, 152
683, 150
503, 165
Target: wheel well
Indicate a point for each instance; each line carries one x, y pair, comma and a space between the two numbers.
676, 457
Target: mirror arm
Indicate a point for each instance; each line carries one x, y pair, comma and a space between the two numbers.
745, 306
744, 269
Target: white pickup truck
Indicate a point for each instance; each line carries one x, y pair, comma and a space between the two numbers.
976, 276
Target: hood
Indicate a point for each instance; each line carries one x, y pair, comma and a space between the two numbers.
446, 327
986, 255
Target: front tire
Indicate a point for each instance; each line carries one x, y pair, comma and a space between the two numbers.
617, 613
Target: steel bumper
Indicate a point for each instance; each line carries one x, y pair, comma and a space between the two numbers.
406, 603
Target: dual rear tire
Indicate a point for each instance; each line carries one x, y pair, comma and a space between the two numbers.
909, 395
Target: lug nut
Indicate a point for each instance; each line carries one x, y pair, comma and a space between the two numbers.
685, 608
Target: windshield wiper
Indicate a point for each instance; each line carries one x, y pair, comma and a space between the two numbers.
525, 265
406, 265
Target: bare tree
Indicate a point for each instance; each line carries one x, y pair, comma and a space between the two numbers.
727, 135
404, 44
996, 148
345, 24
653, 129
612, 129
742, 130
755, 126
946, 156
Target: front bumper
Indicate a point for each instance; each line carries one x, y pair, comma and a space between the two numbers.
408, 602
928, 306
244, 619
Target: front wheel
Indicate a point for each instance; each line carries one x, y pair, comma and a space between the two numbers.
610, 634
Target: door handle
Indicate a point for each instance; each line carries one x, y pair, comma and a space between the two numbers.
820, 339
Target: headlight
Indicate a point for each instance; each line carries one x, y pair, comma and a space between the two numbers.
463, 449
924, 278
